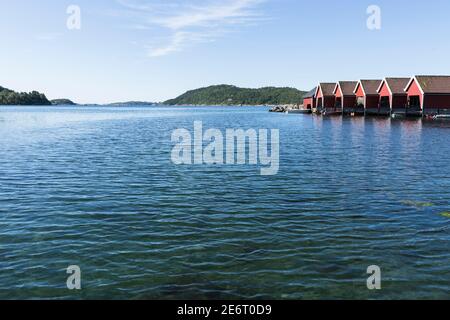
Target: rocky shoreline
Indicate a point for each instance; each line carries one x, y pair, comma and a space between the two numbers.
285, 108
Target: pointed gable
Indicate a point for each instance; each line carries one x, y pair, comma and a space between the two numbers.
327, 89
370, 87
384, 90
359, 90
397, 85
347, 87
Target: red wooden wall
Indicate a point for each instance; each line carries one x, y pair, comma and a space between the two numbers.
414, 90
436, 101
309, 101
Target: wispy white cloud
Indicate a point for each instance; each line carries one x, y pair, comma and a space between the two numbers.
189, 22
178, 42
50, 36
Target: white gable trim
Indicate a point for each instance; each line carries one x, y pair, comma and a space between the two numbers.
338, 85
387, 85
319, 89
362, 87
418, 85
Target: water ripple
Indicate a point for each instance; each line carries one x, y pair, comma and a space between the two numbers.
95, 187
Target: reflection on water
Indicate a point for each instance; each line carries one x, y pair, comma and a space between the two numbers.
95, 187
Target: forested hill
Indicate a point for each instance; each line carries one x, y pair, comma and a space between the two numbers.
9, 97
231, 95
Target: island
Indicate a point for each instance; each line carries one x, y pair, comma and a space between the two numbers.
63, 102
34, 98
227, 95
132, 103
218, 95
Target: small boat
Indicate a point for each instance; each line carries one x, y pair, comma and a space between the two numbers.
331, 113
299, 111
398, 116
442, 117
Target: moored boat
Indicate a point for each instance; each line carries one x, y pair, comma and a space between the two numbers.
398, 115
442, 117
329, 113
298, 111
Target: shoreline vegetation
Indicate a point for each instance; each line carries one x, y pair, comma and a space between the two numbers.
33, 98
212, 96
226, 95
65, 102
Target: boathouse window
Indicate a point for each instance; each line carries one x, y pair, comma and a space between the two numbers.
338, 103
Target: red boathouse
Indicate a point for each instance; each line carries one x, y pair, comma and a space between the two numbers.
367, 97
345, 97
309, 100
325, 98
430, 94
393, 97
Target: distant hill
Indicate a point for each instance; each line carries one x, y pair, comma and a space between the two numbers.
34, 98
132, 103
63, 102
231, 95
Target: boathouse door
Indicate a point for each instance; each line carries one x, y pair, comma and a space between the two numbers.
338, 103
320, 103
384, 102
360, 102
414, 102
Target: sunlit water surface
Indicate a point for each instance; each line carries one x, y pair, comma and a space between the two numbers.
95, 187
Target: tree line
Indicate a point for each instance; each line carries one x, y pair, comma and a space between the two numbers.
9, 97
231, 95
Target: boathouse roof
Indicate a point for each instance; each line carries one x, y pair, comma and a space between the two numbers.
395, 85
370, 87
310, 94
432, 84
347, 87
327, 88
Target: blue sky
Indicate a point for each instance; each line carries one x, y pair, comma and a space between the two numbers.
156, 49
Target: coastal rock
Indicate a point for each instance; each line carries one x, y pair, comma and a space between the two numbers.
284, 108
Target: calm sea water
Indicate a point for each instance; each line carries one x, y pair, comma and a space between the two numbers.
95, 187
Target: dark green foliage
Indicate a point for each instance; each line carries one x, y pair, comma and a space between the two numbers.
231, 95
34, 98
